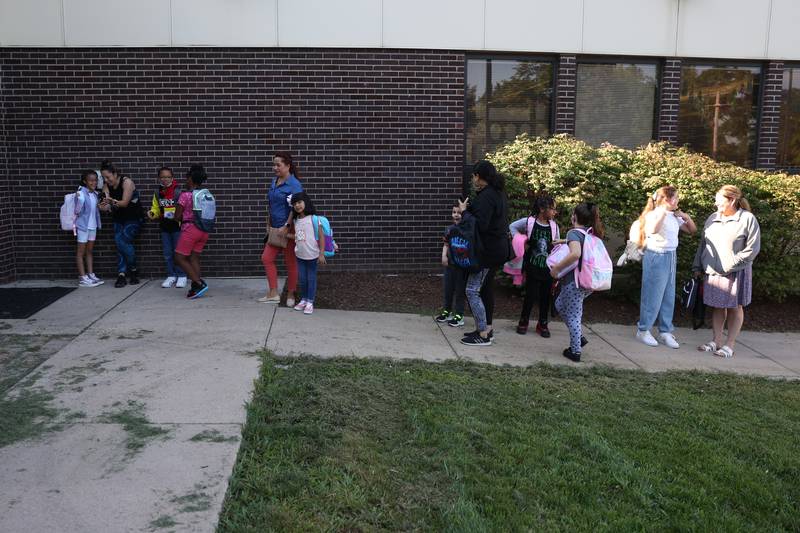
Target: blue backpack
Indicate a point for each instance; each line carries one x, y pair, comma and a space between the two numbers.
463, 244
330, 244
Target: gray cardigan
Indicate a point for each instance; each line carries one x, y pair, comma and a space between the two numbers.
728, 244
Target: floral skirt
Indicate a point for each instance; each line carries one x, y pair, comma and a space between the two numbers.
729, 291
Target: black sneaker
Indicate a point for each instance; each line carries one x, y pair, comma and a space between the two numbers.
477, 340
443, 316
476, 332
456, 321
193, 290
201, 290
121, 281
134, 277
572, 356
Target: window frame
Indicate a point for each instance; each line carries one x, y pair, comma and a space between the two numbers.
715, 63
612, 60
504, 56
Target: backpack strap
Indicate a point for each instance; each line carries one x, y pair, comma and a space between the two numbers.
555, 233
580, 259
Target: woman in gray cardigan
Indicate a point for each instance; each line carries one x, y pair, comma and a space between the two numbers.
731, 241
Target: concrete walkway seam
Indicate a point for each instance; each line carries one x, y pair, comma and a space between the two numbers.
640, 367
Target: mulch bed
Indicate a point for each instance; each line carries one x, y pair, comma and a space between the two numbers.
422, 293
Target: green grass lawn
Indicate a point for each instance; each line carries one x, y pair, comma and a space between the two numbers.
371, 445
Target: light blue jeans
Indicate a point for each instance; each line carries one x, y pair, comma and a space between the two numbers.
658, 290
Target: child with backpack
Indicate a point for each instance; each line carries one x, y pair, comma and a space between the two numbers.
194, 228
542, 233
85, 226
585, 268
455, 280
309, 249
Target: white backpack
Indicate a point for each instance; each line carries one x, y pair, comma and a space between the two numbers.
68, 214
632, 251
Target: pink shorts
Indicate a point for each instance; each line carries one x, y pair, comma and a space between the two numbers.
191, 240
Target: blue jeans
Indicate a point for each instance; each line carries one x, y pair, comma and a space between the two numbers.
169, 240
658, 290
307, 273
124, 234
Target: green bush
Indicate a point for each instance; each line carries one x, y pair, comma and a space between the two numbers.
621, 180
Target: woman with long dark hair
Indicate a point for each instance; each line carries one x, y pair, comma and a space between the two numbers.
122, 200
490, 209
284, 185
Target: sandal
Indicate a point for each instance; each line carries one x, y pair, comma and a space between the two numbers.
710, 346
725, 351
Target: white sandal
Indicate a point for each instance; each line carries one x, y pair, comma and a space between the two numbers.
710, 346
725, 352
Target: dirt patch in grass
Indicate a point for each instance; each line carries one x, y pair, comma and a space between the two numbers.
376, 445
422, 294
20, 354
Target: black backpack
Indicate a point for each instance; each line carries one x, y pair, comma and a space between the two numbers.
463, 244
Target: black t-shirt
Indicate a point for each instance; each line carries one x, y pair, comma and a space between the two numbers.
132, 211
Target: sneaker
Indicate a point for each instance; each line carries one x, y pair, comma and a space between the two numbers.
169, 282
572, 356
86, 281
121, 281
301, 306
200, 290
193, 290
94, 278
456, 321
669, 340
477, 340
443, 316
646, 337
476, 332
289, 301
181, 283
522, 327
134, 277
584, 342
309, 309
542, 330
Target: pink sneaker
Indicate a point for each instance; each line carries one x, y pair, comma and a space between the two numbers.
301, 306
309, 309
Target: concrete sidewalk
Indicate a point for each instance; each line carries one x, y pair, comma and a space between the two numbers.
144, 357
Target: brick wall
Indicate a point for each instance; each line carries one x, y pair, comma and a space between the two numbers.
769, 124
378, 135
566, 91
669, 98
6, 207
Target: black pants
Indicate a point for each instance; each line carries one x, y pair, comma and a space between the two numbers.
487, 295
455, 282
536, 289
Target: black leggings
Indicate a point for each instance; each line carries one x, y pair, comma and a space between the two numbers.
487, 295
536, 289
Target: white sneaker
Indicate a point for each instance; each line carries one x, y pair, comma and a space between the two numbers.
169, 282
301, 306
646, 337
309, 309
290, 301
86, 281
94, 278
669, 340
181, 284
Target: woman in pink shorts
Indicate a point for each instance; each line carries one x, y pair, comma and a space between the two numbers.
192, 239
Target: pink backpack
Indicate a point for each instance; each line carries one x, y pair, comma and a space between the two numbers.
595, 268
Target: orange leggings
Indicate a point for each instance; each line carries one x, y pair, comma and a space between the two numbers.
268, 258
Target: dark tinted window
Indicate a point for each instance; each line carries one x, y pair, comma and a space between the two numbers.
789, 140
718, 111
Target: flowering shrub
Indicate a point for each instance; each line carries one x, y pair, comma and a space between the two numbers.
621, 180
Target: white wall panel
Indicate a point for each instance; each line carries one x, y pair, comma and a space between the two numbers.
784, 35
456, 24
117, 22
31, 23
620, 26
224, 23
332, 23
533, 25
723, 28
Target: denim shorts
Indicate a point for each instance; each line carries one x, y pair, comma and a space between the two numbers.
85, 236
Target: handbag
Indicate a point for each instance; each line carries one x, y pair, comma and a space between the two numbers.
274, 238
